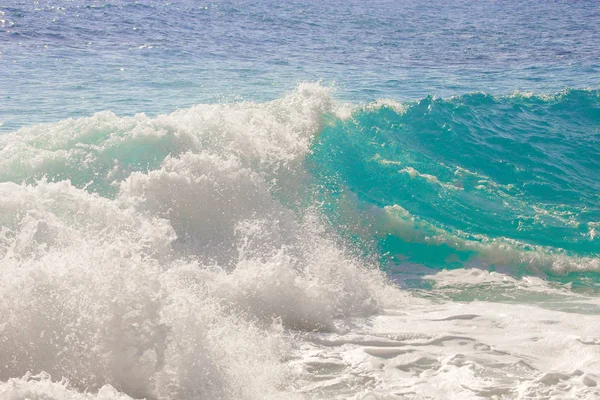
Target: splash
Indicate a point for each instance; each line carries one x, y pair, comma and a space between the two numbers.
155, 255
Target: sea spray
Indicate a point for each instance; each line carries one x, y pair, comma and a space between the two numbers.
170, 278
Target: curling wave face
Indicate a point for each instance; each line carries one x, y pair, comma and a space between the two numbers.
193, 255
510, 181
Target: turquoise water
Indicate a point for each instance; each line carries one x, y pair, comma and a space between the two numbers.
469, 172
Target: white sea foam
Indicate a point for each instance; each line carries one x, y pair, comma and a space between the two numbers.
455, 350
183, 282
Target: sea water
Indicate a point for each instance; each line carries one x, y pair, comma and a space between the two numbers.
269, 200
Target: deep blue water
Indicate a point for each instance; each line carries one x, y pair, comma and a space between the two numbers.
73, 58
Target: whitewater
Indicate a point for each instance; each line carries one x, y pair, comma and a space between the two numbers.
193, 255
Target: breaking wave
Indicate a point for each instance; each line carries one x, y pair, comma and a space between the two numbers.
177, 256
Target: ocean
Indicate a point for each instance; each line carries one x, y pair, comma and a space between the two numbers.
296, 200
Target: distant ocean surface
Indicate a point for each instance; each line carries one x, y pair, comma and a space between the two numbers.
74, 58
269, 200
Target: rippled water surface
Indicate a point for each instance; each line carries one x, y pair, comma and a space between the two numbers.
67, 59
